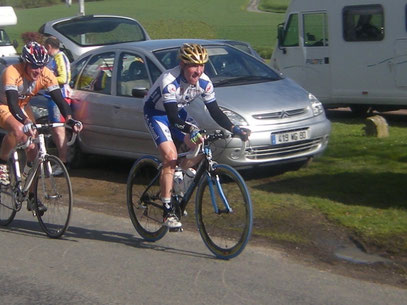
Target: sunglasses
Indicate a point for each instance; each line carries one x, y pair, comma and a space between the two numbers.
35, 67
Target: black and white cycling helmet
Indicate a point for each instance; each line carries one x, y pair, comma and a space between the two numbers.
35, 54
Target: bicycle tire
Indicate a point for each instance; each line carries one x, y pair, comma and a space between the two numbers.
7, 206
225, 234
145, 210
55, 192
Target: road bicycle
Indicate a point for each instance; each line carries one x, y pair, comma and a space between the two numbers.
223, 207
48, 179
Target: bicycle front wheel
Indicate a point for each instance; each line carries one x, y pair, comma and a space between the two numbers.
143, 199
225, 232
7, 206
54, 190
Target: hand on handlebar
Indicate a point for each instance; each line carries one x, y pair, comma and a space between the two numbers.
75, 125
196, 137
29, 129
243, 133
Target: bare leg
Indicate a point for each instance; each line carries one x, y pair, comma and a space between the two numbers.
14, 135
187, 163
59, 137
168, 153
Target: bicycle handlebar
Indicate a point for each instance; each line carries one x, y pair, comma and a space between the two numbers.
43, 128
217, 134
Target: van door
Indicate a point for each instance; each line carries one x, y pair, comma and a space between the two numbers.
289, 56
399, 63
317, 65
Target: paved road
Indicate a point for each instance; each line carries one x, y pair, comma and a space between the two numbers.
102, 261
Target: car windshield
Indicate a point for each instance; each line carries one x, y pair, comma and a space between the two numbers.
226, 66
4, 39
93, 31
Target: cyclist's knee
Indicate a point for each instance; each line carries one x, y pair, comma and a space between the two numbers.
18, 135
169, 163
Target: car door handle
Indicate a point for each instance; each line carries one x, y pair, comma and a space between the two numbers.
116, 107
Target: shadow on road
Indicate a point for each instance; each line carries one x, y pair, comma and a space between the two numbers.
32, 228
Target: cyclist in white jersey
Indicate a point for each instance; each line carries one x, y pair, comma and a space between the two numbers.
166, 117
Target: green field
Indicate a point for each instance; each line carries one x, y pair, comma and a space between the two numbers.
358, 184
222, 19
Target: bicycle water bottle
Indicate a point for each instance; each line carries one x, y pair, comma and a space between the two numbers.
189, 175
178, 181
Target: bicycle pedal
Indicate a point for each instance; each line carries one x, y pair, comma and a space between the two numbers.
180, 229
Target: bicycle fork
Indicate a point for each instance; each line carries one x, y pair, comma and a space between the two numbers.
214, 183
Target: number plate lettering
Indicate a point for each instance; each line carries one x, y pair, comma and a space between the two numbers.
288, 137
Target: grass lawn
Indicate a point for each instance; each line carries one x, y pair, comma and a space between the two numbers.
223, 19
358, 184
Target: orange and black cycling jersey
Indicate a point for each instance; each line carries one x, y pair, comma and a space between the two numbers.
16, 90
15, 78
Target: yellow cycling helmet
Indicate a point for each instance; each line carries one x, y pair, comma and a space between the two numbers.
192, 53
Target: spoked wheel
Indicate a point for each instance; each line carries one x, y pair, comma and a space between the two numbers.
7, 206
143, 199
224, 233
54, 190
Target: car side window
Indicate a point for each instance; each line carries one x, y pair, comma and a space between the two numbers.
132, 74
97, 75
154, 71
76, 69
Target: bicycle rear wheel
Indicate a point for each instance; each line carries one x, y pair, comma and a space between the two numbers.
53, 188
224, 233
143, 199
7, 206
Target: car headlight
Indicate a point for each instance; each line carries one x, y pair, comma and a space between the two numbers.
316, 105
235, 118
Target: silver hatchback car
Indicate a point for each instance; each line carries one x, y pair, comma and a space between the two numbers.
288, 124
80, 34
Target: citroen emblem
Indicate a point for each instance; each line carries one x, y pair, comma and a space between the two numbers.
284, 114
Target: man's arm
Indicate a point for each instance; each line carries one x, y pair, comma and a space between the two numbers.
12, 102
63, 74
63, 106
171, 109
219, 116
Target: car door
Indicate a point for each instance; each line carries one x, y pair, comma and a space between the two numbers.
92, 104
128, 117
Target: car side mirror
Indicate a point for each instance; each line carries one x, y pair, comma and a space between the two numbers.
15, 44
139, 92
280, 37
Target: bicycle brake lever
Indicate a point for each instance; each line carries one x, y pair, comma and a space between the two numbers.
194, 153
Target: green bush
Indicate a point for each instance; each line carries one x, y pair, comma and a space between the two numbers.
264, 52
276, 6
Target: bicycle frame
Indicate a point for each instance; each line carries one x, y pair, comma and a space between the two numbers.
20, 190
205, 167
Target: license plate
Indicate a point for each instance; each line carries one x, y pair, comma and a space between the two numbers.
288, 137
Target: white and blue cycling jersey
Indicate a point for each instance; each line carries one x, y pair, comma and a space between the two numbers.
171, 87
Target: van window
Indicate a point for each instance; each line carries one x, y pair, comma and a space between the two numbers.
315, 29
405, 18
291, 32
363, 23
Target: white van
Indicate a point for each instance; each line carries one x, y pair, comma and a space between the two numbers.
346, 52
7, 17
